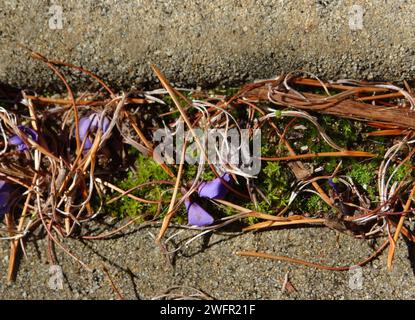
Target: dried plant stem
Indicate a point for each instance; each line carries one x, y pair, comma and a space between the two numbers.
269, 224
345, 153
389, 132
170, 211
403, 117
113, 286
311, 264
13, 248
66, 102
125, 193
329, 85
71, 95
391, 252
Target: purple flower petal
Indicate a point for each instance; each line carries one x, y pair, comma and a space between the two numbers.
4, 202
87, 124
334, 185
197, 216
5, 186
95, 122
15, 140
214, 189
84, 125
30, 132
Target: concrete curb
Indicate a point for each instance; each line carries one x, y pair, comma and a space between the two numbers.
207, 43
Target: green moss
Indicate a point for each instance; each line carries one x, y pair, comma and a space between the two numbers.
275, 179
270, 146
331, 164
345, 133
364, 175
274, 183
190, 172
315, 204
146, 170
126, 207
278, 114
404, 171
228, 92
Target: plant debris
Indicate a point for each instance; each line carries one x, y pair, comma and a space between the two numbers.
68, 160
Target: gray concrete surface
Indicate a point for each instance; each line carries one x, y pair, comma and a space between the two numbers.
208, 43
141, 271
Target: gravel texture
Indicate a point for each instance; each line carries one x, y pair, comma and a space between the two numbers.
141, 271
208, 43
